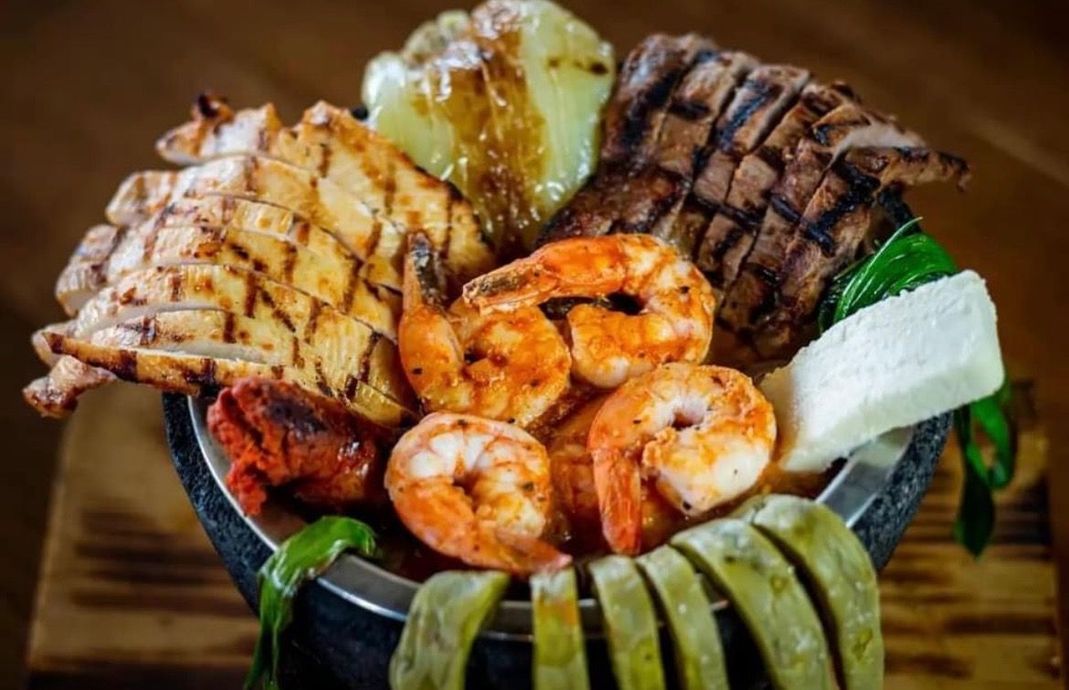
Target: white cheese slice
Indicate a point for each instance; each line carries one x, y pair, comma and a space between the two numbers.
895, 363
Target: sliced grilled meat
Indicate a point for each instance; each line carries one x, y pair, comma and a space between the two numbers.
695, 107
628, 193
730, 236
331, 143
370, 236
637, 109
196, 351
84, 273
850, 125
56, 395
834, 224
300, 255
337, 341
755, 108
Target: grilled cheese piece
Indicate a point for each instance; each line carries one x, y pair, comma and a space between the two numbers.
896, 363
331, 143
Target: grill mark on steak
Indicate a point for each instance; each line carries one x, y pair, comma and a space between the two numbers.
647, 79
832, 229
757, 105
849, 125
730, 235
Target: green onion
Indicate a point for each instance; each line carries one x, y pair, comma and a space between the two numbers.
909, 258
301, 557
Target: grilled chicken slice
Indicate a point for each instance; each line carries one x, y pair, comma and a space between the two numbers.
370, 236
56, 395
850, 125
834, 224
83, 275
730, 236
225, 231
628, 193
337, 341
196, 351
331, 143
755, 108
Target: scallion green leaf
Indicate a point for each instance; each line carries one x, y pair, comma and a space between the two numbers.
303, 556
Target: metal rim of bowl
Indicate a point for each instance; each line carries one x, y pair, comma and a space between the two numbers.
381, 592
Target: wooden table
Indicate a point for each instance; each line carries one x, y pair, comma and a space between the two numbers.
131, 597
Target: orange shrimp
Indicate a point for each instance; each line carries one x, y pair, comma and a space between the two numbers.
510, 366
572, 468
674, 323
475, 489
698, 435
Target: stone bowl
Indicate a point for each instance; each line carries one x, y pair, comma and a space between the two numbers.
347, 623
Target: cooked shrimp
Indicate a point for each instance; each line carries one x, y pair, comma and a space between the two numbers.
511, 366
699, 435
675, 321
572, 468
477, 490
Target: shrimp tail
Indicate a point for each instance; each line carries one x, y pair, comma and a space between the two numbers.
424, 282
517, 285
529, 554
619, 488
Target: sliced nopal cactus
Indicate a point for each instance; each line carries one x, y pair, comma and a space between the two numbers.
762, 586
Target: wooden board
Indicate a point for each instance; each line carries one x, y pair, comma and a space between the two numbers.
133, 594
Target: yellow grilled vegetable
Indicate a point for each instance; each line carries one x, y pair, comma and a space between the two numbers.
505, 103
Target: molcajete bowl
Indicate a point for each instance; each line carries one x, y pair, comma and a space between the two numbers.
347, 623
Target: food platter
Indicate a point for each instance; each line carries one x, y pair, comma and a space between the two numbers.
876, 492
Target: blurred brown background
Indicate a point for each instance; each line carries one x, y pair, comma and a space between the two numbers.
87, 87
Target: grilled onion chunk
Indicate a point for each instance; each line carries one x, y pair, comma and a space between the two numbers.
505, 103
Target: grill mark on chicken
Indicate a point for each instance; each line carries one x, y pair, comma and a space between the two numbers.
290, 263
228, 328
366, 164
171, 371
275, 183
730, 235
247, 235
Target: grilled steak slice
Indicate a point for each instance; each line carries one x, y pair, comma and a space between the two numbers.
190, 352
637, 109
331, 143
625, 193
834, 224
850, 125
371, 237
288, 251
730, 236
756, 106
695, 107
